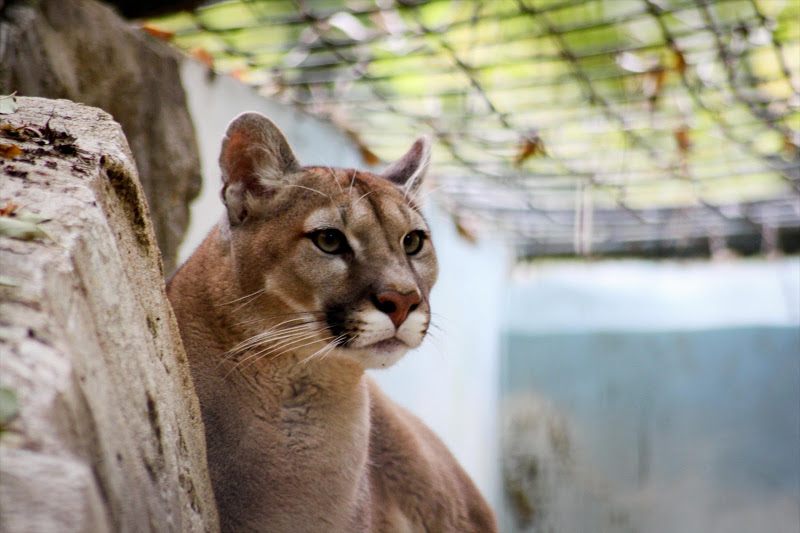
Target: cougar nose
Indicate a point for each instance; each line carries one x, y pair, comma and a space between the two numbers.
397, 305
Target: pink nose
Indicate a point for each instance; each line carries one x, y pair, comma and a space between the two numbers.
397, 305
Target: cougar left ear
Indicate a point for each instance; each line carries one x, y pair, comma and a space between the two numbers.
409, 171
254, 158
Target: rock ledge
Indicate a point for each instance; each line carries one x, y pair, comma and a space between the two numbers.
109, 435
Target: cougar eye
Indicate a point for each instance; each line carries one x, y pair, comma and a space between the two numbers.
330, 241
412, 243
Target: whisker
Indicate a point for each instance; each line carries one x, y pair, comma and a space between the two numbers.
260, 340
437, 342
284, 343
419, 196
329, 350
336, 180
277, 333
439, 316
309, 189
329, 347
289, 344
268, 336
266, 319
280, 315
273, 315
272, 334
363, 196
335, 342
437, 327
243, 297
269, 331
294, 348
352, 181
247, 302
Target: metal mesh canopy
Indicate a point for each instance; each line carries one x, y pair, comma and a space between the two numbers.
571, 126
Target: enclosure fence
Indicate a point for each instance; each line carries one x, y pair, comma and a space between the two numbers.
588, 127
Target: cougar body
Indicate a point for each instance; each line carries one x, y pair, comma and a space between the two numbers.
315, 275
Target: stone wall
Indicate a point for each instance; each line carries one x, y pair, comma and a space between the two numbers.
83, 51
108, 434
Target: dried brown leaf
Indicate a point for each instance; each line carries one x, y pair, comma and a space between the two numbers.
654, 82
8, 209
238, 74
790, 146
204, 56
531, 146
683, 138
161, 35
368, 156
680, 62
464, 230
10, 151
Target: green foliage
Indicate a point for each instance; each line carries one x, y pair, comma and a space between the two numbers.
9, 407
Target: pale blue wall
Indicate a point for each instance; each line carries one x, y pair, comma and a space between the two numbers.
680, 384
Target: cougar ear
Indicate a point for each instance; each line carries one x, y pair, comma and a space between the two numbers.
254, 158
408, 171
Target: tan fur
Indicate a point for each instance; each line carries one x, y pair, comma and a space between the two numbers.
279, 333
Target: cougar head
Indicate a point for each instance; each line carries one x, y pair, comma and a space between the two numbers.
328, 261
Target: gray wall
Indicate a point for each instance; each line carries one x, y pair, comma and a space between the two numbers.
686, 430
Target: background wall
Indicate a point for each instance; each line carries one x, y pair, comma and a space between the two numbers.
679, 388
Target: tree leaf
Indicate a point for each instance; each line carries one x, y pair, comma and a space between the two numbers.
531, 146
8, 104
8, 282
21, 229
9, 208
33, 218
204, 57
10, 151
9, 406
683, 139
161, 35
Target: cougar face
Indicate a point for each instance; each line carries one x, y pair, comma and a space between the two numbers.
339, 262
345, 263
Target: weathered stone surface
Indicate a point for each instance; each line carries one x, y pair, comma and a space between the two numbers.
109, 434
83, 51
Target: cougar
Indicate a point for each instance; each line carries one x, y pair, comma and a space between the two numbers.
314, 275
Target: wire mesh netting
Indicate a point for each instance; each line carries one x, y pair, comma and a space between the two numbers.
655, 127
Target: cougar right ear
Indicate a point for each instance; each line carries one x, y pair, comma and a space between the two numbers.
254, 158
409, 171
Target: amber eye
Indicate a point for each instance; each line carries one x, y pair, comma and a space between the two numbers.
412, 243
330, 241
